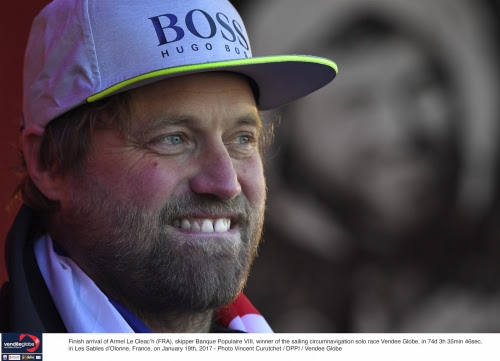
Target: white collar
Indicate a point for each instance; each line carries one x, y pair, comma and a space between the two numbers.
83, 307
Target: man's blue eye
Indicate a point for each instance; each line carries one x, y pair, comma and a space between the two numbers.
244, 139
174, 139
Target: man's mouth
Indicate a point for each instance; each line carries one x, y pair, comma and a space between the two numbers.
217, 225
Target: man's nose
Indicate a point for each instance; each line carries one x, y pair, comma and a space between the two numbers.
216, 174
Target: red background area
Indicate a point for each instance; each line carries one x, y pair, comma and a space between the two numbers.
15, 23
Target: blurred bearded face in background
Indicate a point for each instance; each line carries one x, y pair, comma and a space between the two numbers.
387, 144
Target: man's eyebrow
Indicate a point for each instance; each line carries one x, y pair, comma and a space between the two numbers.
252, 119
158, 122
162, 121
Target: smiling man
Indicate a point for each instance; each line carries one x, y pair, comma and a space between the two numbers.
144, 191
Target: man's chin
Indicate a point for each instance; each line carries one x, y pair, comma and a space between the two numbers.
193, 281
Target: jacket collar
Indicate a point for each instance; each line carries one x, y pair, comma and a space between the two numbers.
31, 306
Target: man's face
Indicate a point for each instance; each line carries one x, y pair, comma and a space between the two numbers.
168, 216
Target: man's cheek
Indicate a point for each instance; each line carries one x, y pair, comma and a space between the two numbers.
253, 183
149, 186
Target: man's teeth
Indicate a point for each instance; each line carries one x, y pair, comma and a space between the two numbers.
204, 225
207, 226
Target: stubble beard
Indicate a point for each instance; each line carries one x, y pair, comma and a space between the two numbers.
136, 258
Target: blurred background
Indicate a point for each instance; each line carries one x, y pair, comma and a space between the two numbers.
383, 187
383, 206
15, 23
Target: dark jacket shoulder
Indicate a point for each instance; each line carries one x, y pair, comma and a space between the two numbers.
28, 304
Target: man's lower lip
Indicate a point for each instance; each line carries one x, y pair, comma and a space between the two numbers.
229, 233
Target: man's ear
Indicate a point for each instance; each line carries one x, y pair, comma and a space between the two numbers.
49, 182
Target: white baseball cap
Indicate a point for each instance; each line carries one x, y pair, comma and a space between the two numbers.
85, 50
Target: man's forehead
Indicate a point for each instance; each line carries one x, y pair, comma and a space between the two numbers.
195, 99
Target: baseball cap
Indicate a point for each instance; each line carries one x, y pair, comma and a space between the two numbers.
82, 51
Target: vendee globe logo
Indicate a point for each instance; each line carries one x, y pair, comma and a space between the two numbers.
36, 341
21, 343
